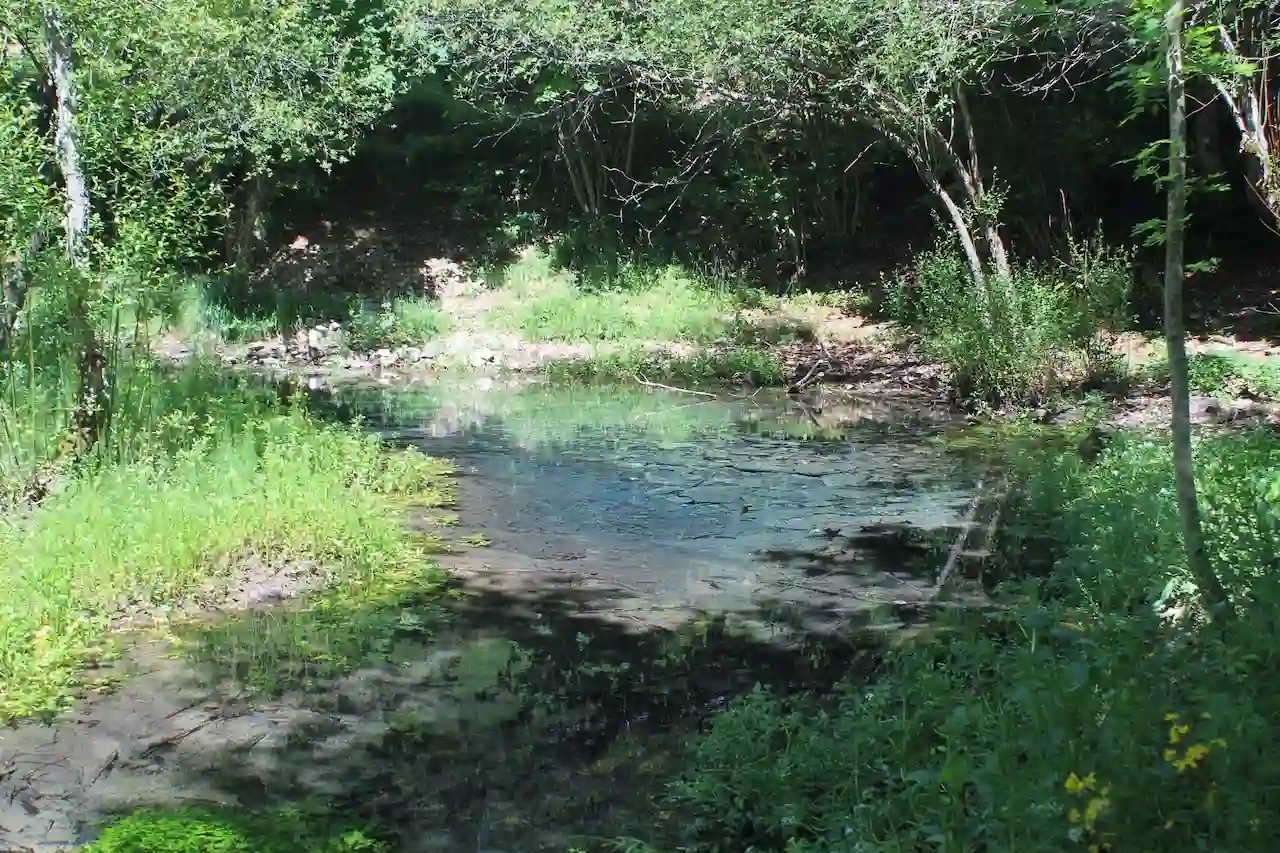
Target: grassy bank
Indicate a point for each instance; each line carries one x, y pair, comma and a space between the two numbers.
180, 498
1100, 713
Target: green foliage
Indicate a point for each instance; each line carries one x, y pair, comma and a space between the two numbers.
1019, 341
206, 831
209, 483
1225, 375
404, 321
638, 305
1093, 715
1112, 528
731, 366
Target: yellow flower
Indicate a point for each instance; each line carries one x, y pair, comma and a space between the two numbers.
1178, 731
1094, 810
1076, 785
1073, 816
1171, 716
1194, 755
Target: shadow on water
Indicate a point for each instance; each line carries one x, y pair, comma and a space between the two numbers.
540, 699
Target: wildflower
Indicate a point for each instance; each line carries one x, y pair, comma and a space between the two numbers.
1076, 785
1095, 808
1192, 758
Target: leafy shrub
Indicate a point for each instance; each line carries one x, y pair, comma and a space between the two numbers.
1017, 341
1227, 375
1112, 528
1056, 736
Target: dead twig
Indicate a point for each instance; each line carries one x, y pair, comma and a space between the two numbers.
649, 384
816, 372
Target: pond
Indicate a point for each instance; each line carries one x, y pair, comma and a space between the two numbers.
627, 560
671, 504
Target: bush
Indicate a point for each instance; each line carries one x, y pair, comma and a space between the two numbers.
1016, 342
1059, 736
1226, 375
1111, 529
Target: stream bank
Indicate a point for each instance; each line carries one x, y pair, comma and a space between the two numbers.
626, 560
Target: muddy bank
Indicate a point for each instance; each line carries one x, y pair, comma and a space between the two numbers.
509, 720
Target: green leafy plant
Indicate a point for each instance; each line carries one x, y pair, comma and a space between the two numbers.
1035, 337
208, 831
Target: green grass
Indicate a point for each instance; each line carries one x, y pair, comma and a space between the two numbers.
1224, 375
733, 366
200, 490
640, 305
197, 830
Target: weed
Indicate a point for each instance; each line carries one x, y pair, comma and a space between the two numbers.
201, 491
401, 322
639, 304
1019, 341
209, 831
1224, 375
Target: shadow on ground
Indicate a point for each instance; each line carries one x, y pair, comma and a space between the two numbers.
468, 720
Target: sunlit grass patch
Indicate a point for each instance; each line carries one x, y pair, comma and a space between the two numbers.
147, 533
403, 321
1224, 374
203, 830
641, 304
732, 366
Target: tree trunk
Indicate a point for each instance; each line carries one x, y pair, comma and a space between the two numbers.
92, 412
961, 226
248, 229
971, 175
1247, 98
1212, 592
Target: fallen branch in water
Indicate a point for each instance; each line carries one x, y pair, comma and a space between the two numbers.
649, 384
815, 374
956, 547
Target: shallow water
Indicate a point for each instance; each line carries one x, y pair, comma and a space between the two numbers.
537, 709
684, 503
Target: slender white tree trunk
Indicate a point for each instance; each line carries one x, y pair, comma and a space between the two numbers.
1211, 589
90, 417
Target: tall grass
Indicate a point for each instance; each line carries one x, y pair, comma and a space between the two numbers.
639, 304
200, 475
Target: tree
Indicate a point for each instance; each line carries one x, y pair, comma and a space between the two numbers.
1211, 588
